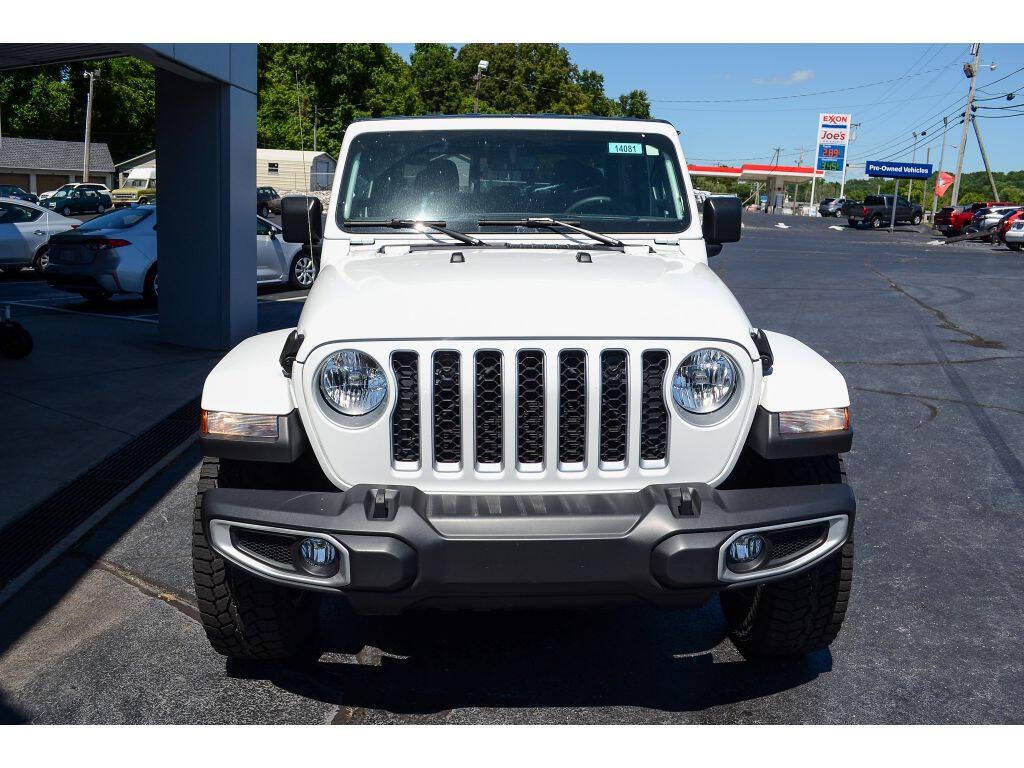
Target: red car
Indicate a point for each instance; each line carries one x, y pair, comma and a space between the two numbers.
1007, 223
956, 219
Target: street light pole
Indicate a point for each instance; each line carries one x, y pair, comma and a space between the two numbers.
942, 159
480, 69
971, 70
913, 159
88, 125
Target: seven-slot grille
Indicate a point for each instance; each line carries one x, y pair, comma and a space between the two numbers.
524, 411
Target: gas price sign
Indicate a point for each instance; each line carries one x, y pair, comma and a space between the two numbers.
833, 138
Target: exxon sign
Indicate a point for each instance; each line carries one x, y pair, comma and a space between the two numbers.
833, 137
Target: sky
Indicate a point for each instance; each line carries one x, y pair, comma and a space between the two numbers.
773, 79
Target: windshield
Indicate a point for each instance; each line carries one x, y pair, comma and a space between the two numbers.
123, 218
608, 182
136, 183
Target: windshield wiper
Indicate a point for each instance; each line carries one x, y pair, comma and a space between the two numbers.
437, 226
543, 222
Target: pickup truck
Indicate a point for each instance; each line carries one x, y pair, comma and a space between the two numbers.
876, 210
517, 383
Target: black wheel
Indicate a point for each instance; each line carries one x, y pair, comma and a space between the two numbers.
803, 613
151, 288
244, 616
1015, 246
916, 220
264, 211
143, 201
852, 222
66, 211
876, 222
41, 260
303, 271
97, 294
15, 341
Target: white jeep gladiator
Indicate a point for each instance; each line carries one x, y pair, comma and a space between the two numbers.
516, 383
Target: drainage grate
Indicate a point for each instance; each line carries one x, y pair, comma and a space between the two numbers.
29, 537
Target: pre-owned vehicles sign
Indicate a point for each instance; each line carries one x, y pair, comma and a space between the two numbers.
892, 169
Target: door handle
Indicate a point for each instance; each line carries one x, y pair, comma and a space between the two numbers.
39, 232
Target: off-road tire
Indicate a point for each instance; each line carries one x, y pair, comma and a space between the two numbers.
246, 617
803, 613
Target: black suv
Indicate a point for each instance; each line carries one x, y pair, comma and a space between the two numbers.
268, 201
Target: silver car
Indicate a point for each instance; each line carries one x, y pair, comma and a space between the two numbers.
117, 254
25, 230
1015, 236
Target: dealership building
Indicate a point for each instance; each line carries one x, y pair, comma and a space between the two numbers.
40, 165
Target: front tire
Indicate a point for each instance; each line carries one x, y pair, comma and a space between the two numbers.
800, 614
916, 220
876, 222
303, 271
151, 288
245, 617
40, 262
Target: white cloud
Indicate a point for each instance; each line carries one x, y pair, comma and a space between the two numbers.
796, 76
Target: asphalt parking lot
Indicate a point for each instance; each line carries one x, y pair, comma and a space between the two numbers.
929, 339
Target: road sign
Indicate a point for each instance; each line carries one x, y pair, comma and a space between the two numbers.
895, 170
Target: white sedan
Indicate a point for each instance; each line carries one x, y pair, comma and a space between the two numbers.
25, 230
1015, 235
116, 253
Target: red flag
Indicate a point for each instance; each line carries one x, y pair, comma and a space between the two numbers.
943, 183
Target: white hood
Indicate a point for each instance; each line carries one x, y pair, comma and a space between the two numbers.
519, 293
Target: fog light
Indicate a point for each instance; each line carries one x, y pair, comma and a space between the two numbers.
745, 549
318, 557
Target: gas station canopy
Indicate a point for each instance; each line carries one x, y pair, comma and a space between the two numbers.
784, 174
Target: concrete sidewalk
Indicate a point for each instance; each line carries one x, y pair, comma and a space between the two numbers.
91, 384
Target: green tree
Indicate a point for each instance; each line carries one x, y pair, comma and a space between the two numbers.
435, 76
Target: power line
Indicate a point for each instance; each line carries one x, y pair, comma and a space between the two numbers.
796, 95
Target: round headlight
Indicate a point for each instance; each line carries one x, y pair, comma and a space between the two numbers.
352, 382
704, 381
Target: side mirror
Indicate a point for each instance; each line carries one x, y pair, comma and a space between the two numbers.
301, 219
721, 222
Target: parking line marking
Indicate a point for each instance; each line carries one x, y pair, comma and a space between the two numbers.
83, 314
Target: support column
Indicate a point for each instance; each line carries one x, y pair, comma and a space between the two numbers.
206, 237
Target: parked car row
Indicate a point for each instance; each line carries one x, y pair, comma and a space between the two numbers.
117, 254
96, 186
951, 221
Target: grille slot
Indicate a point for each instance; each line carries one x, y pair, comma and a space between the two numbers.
405, 421
572, 409
614, 408
489, 410
788, 543
447, 404
653, 413
530, 409
273, 547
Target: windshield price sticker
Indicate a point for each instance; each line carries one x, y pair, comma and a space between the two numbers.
617, 148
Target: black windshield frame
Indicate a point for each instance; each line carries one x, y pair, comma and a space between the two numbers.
638, 209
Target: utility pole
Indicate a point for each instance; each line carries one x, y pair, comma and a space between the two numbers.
984, 157
942, 159
927, 161
480, 69
88, 125
971, 71
913, 159
315, 113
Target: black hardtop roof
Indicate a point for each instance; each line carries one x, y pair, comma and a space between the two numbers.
540, 115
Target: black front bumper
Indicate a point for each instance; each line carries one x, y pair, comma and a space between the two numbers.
409, 549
